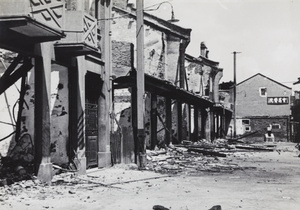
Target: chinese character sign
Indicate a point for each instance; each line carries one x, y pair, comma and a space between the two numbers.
277, 100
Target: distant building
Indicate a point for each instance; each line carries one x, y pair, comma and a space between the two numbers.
262, 102
295, 119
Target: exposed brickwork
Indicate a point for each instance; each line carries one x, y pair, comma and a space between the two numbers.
121, 58
260, 125
161, 52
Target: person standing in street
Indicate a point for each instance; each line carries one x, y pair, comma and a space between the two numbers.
269, 136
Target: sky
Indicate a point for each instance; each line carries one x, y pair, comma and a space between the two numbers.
266, 32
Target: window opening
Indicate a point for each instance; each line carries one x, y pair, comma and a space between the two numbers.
263, 91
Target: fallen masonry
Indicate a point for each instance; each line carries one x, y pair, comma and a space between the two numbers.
189, 158
192, 158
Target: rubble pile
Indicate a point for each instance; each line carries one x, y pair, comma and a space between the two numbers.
191, 158
196, 157
13, 171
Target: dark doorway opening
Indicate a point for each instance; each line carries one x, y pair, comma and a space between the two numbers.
93, 84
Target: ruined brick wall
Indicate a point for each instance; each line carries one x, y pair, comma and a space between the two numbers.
161, 53
198, 77
121, 58
157, 46
193, 71
224, 98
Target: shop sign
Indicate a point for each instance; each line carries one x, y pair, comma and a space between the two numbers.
277, 100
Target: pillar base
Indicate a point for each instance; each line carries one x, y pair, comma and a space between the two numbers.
82, 166
45, 172
104, 159
142, 161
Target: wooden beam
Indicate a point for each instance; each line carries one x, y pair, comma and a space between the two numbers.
168, 135
153, 120
179, 121
189, 122
196, 123
203, 122
8, 79
207, 152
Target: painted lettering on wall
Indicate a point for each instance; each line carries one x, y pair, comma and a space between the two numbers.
277, 100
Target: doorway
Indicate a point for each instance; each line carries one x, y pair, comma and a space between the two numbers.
93, 84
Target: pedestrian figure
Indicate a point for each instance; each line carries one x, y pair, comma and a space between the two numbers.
269, 136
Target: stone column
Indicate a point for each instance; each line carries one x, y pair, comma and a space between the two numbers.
203, 122
42, 121
81, 139
104, 153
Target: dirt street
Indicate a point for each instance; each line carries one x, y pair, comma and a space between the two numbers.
262, 180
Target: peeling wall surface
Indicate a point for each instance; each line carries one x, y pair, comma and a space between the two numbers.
194, 77
161, 57
160, 52
23, 148
201, 78
59, 114
17, 150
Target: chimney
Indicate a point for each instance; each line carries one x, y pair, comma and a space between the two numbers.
203, 49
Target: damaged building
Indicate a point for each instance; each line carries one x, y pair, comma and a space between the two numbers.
181, 91
62, 63
74, 64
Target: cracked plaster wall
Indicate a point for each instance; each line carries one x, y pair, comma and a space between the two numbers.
161, 53
23, 150
198, 77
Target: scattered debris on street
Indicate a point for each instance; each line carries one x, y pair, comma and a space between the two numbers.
194, 157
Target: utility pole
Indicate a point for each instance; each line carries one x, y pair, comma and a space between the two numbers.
140, 83
234, 94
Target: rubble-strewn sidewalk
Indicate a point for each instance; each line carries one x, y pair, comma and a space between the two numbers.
176, 179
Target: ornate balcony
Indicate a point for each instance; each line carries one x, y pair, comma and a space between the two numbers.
81, 35
25, 22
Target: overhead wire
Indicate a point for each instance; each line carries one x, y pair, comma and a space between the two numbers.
145, 9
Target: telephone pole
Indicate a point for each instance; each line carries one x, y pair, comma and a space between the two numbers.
140, 83
234, 93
